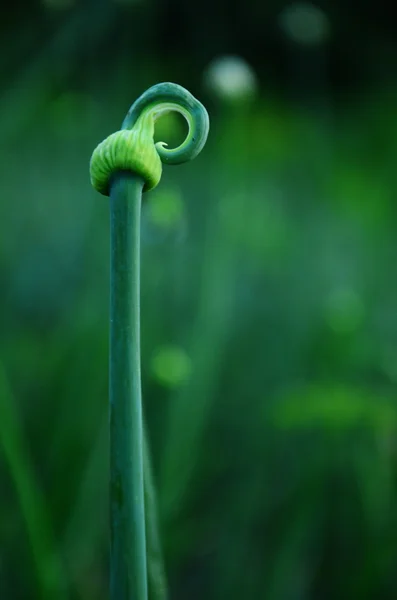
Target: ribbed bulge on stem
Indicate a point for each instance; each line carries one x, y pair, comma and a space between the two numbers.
130, 150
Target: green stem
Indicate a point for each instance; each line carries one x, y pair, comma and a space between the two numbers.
157, 581
124, 165
128, 577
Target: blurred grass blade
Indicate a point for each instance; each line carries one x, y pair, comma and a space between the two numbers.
95, 19
48, 566
88, 513
190, 409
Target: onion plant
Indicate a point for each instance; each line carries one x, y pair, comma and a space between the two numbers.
125, 165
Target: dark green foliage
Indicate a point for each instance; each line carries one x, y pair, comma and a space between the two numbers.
269, 335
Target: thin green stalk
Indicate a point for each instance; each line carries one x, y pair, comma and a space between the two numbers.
157, 581
123, 166
127, 511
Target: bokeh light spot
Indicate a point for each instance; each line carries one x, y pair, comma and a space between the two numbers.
231, 78
171, 366
166, 208
344, 311
305, 23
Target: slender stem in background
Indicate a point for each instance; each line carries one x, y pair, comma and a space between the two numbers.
127, 511
157, 581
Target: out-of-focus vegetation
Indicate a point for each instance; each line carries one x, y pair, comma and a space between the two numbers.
269, 295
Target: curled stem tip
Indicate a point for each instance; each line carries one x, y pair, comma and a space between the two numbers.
133, 148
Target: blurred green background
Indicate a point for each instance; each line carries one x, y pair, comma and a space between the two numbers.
269, 295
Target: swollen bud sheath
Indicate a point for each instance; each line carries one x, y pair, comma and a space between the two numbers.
129, 150
132, 149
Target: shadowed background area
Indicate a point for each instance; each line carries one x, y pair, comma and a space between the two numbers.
269, 295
